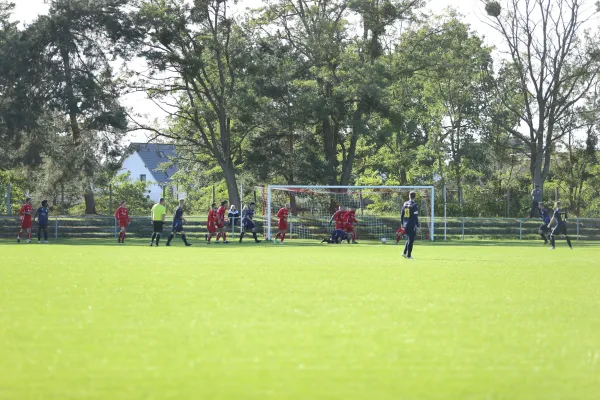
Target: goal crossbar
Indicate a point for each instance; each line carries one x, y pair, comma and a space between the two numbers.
293, 187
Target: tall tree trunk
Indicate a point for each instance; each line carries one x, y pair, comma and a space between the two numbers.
231, 181
579, 198
536, 163
293, 204
62, 199
90, 200
461, 201
403, 177
71, 100
330, 151
88, 196
290, 181
357, 125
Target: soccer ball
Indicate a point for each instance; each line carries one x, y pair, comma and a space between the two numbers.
383, 240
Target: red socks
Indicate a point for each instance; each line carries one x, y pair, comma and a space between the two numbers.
218, 236
282, 237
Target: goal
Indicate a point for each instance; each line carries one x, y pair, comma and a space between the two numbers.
377, 209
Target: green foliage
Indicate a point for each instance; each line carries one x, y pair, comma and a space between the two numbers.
123, 189
18, 190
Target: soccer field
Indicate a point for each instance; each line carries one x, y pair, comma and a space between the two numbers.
487, 320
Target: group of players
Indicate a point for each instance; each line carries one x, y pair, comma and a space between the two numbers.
559, 218
215, 223
344, 230
345, 223
28, 217
345, 226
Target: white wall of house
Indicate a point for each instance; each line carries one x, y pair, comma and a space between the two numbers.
136, 167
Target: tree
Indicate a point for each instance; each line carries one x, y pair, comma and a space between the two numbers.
576, 164
457, 86
197, 55
316, 30
555, 64
63, 174
61, 69
368, 72
19, 110
348, 73
284, 148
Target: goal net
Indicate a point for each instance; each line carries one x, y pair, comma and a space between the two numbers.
377, 209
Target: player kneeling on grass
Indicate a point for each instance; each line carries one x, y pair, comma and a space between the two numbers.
122, 217
282, 224
42, 219
221, 222
560, 228
410, 222
178, 222
336, 237
211, 222
159, 213
26, 220
248, 223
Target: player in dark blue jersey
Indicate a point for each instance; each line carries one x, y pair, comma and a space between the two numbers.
248, 223
178, 222
410, 222
42, 220
561, 226
536, 199
545, 215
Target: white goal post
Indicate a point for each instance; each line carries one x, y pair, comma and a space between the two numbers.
378, 208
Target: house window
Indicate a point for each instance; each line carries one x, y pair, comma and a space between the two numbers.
143, 177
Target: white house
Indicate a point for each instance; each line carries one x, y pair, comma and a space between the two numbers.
144, 164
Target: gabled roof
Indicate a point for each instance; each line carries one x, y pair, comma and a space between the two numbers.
154, 154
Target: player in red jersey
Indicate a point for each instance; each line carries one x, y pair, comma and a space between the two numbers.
400, 234
221, 222
26, 220
122, 217
339, 219
282, 224
211, 222
350, 223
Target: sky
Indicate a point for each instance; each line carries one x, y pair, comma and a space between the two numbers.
472, 10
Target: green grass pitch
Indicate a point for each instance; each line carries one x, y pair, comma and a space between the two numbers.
486, 320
